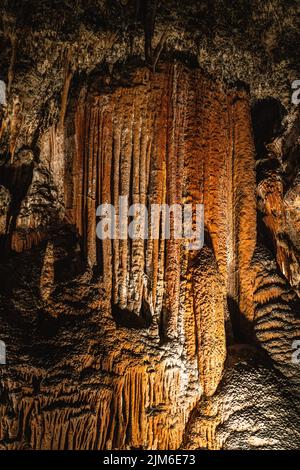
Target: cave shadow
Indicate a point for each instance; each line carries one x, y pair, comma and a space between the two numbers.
126, 318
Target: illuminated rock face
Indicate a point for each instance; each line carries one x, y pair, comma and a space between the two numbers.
171, 137
123, 342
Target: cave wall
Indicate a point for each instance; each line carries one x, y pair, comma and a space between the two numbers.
124, 344
170, 137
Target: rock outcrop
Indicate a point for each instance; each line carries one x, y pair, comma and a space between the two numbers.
145, 344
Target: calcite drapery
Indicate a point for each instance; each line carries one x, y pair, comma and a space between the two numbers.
123, 360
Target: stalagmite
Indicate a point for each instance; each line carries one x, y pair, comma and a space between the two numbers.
47, 274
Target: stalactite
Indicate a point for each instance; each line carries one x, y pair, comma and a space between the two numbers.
276, 324
148, 13
91, 187
131, 406
78, 168
117, 129
69, 70
275, 205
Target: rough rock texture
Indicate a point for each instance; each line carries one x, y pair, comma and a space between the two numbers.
278, 188
254, 409
129, 344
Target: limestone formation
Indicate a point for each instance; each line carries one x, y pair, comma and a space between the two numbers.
143, 343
